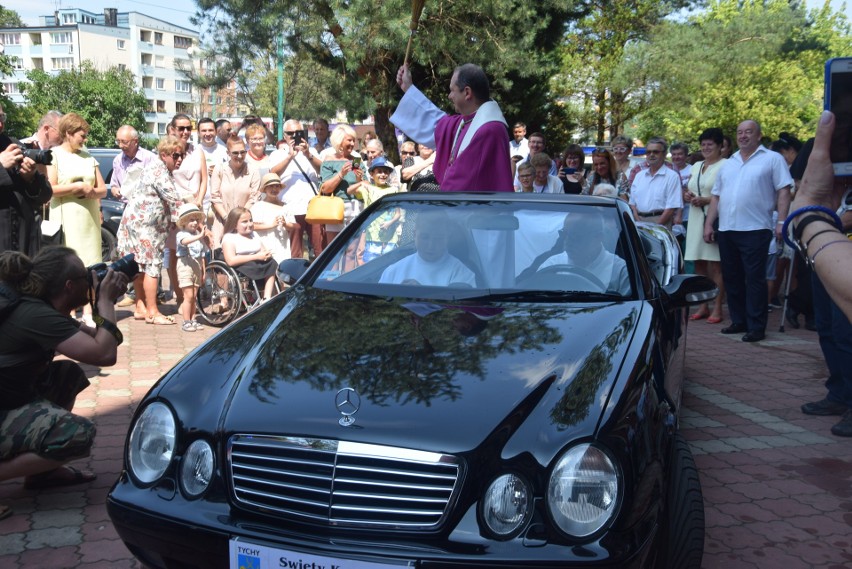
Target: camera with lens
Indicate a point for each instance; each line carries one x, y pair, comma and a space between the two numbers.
37, 155
126, 265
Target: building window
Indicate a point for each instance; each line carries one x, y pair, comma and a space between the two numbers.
183, 42
63, 62
120, 44
69, 18
161, 106
182, 86
10, 39
35, 39
185, 108
122, 67
158, 38
145, 35
161, 128
60, 37
149, 108
11, 89
161, 83
17, 62
159, 61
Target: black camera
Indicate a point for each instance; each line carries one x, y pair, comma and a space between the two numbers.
37, 155
126, 265
298, 137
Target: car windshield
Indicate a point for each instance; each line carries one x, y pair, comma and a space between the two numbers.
483, 249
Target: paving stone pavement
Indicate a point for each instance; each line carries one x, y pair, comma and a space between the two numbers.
777, 485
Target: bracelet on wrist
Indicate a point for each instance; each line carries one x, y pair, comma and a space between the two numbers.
818, 233
800, 226
812, 260
817, 208
101, 322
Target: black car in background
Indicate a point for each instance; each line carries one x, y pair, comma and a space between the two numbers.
111, 208
459, 380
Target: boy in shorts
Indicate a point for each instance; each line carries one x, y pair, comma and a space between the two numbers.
193, 240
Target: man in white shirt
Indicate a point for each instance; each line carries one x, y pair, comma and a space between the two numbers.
431, 264
750, 186
297, 164
519, 145
656, 194
583, 238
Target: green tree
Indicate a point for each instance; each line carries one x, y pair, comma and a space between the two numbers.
593, 53
10, 18
758, 59
362, 43
106, 99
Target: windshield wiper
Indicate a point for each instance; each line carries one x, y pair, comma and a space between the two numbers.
547, 295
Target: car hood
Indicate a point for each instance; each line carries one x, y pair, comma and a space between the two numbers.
442, 377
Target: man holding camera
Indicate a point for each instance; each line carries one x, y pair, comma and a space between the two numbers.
297, 164
23, 192
38, 432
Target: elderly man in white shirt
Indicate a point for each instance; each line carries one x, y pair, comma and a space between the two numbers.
583, 239
750, 186
656, 194
431, 264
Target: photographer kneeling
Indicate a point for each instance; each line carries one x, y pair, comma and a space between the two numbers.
38, 432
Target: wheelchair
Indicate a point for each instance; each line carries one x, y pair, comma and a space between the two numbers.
225, 294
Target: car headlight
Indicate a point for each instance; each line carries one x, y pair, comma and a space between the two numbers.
583, 492
196, 469
152, 443
506, 505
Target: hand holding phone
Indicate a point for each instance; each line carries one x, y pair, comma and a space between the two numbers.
838, 100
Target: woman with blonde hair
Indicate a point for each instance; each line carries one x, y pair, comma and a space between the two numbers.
77, 189
152, 210
341, 175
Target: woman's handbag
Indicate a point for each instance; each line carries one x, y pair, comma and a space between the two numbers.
51, 230
325, 210
322, 209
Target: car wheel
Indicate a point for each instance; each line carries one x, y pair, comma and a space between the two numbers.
108, 245
682, 543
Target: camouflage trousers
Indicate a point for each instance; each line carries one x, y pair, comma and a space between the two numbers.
45, 426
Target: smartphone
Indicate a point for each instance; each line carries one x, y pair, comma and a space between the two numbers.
356, 161
838, 100
299, 137
568, 171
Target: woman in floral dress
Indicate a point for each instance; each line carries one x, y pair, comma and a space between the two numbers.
152, 207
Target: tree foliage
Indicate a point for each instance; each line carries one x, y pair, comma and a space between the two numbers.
741, 59
10, 18
593, 55
106, 99
360, 44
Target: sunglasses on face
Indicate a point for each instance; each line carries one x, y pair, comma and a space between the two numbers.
178, 156
183, 128
238, 153
406, 153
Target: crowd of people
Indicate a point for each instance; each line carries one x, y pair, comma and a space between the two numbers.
227, 191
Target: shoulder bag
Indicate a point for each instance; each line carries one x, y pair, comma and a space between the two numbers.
322, 209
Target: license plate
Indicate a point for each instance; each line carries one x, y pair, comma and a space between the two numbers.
248, 555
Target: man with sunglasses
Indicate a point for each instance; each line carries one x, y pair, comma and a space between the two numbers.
656, 194
297, 164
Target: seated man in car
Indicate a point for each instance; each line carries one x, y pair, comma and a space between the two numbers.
583, 238
431, 264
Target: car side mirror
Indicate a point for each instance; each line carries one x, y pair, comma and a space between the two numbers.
291, 270
689, 290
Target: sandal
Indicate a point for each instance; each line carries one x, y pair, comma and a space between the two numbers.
62, 476
188, 326
160, 320
5, 512
713, 320
699, 316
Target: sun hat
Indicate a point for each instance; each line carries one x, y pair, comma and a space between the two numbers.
187, 213
270, 178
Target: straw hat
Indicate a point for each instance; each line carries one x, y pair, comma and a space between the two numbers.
270, 178
187, 213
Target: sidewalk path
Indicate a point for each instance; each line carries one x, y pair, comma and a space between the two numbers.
777, 484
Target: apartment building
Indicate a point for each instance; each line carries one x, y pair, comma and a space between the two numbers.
153, 50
